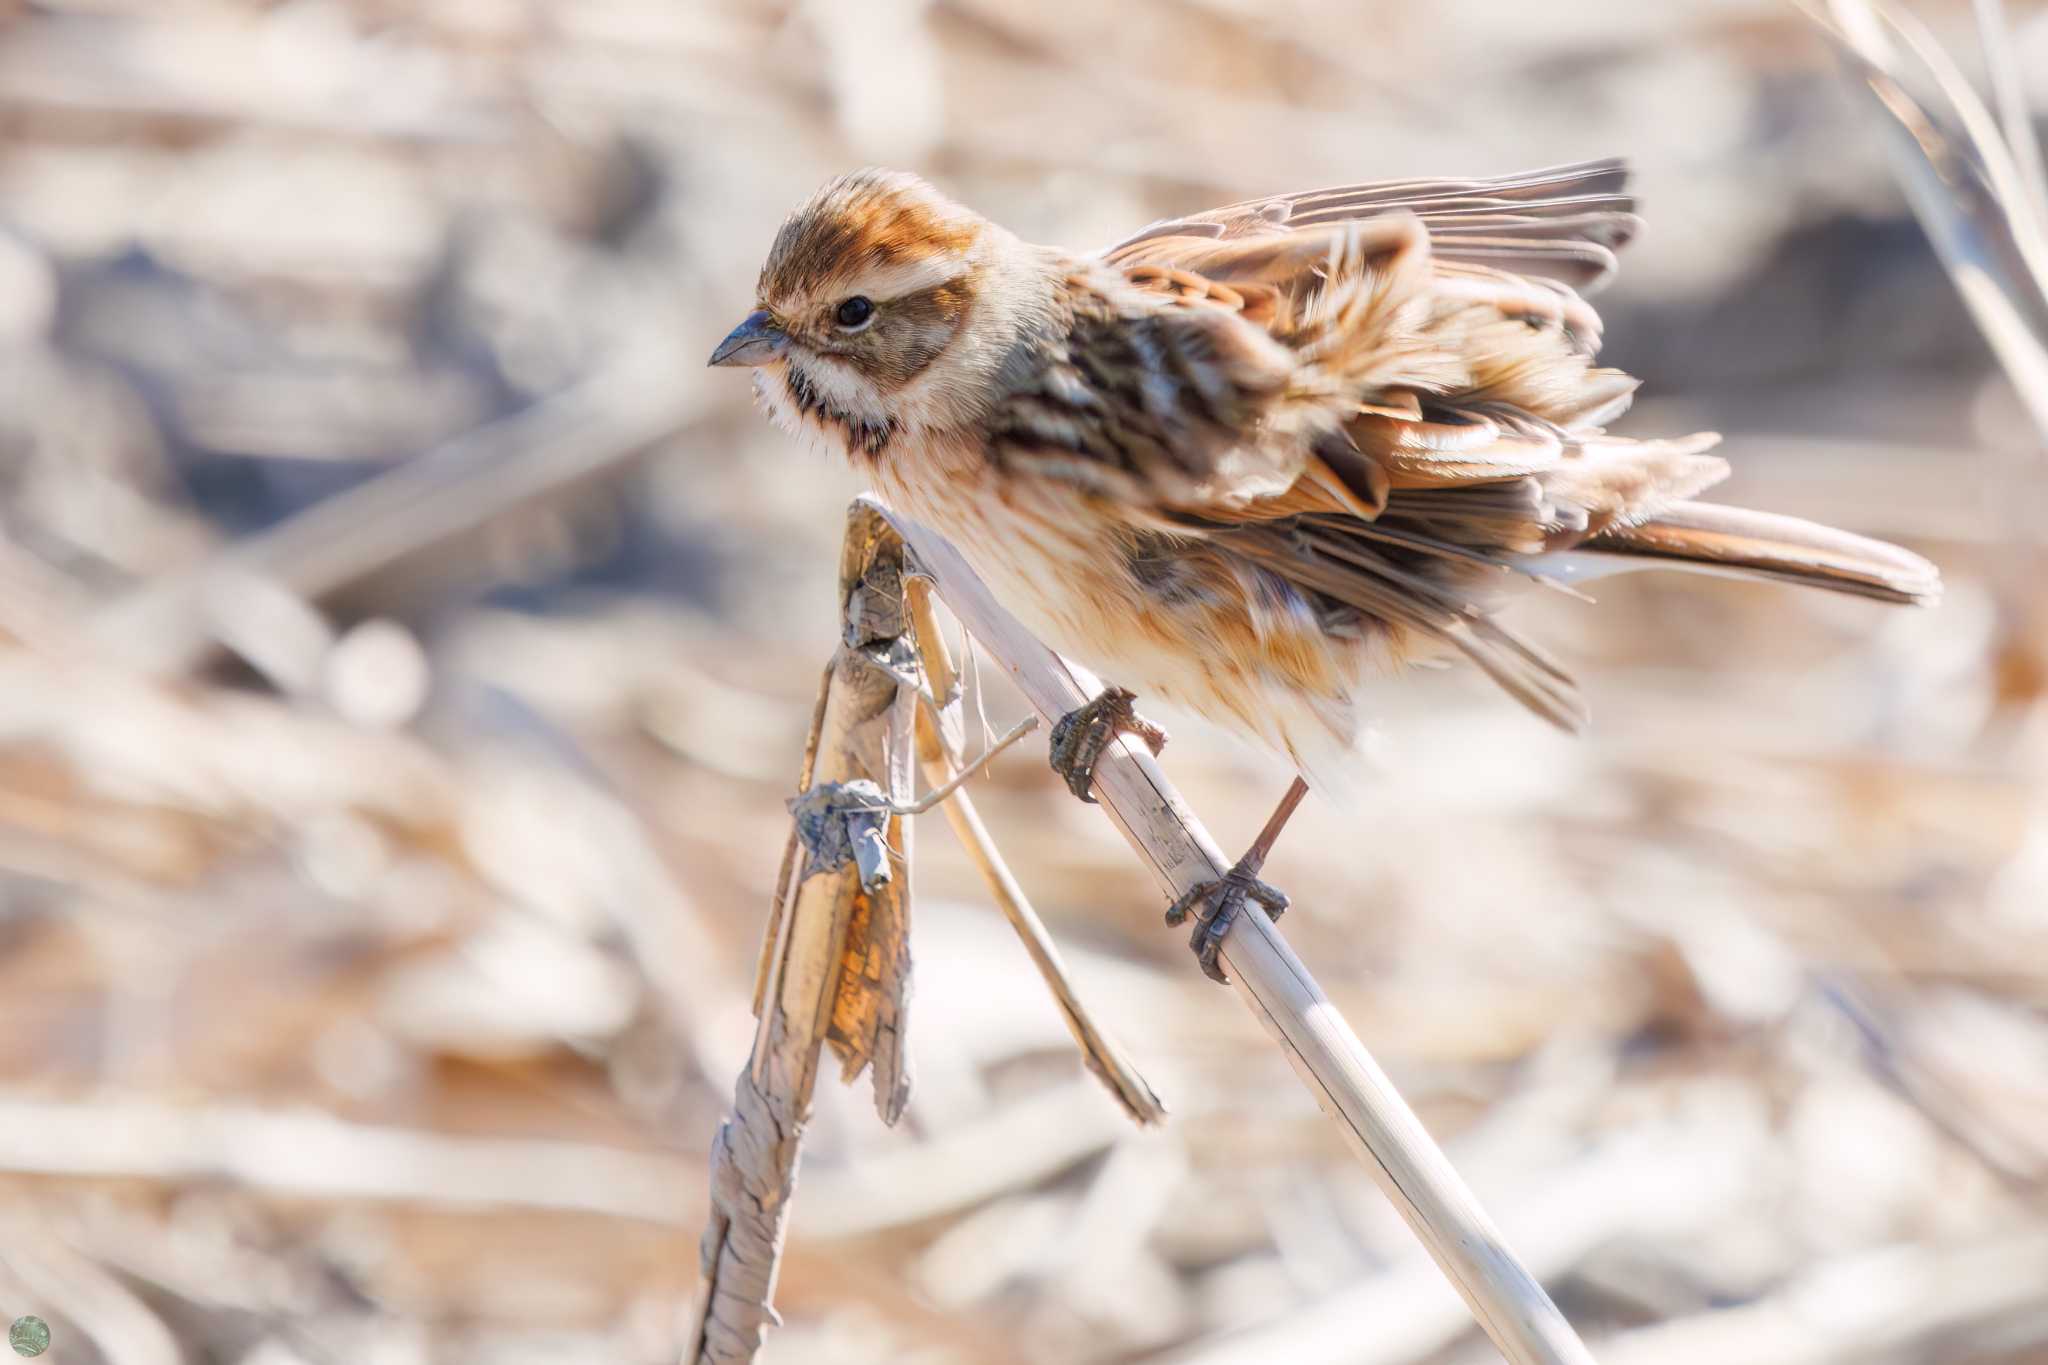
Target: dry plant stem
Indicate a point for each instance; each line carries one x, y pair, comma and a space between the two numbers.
1676, 1176
391, 524
835, 962
1852, 1308
1506, 1300
2013, 1151
938, 752
1985, 230
303, 1155
959, 777
2009, 87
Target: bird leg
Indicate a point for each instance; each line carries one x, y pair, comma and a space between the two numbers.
1080, 736
1215, 905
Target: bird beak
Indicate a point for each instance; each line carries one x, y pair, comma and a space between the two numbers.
755, 341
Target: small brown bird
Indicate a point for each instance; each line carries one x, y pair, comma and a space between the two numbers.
1249, 459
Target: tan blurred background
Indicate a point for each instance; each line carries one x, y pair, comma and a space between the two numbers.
408, 648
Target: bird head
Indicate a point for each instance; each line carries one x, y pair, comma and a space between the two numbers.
884, 307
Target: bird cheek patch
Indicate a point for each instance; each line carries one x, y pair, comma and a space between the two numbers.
909, 333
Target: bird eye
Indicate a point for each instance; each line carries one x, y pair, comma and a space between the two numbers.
854, 312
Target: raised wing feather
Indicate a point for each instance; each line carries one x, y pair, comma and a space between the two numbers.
1564, 222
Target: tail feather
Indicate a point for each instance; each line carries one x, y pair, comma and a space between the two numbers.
1740, 543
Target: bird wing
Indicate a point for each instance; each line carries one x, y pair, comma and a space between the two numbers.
1563, 223
1441, 323
1351, 392
1208, 387
1384, 397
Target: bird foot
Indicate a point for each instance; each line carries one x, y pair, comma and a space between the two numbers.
1080, 736
1216, 905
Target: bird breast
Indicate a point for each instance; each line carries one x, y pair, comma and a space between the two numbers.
1040, 549
1186, 627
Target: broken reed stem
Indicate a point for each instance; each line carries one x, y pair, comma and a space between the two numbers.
938, 750
835, 959
1508, 1303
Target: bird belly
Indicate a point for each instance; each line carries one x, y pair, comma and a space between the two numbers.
1053, 558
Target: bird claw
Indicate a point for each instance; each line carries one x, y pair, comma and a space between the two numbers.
1080, 736
1220, 903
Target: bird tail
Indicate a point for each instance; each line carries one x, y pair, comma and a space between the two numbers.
1736, 542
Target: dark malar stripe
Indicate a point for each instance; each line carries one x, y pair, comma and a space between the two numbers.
861, 434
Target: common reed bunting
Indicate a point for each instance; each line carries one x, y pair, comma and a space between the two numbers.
1249, 459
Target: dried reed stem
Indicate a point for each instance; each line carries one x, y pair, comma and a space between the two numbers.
1508, 1303
938, 750
2009, 88
1976, 195
835, 958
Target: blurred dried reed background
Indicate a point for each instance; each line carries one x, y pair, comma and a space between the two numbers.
409, 649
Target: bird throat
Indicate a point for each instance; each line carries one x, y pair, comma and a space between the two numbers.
863, 435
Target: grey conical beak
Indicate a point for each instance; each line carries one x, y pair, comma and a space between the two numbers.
755, 341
